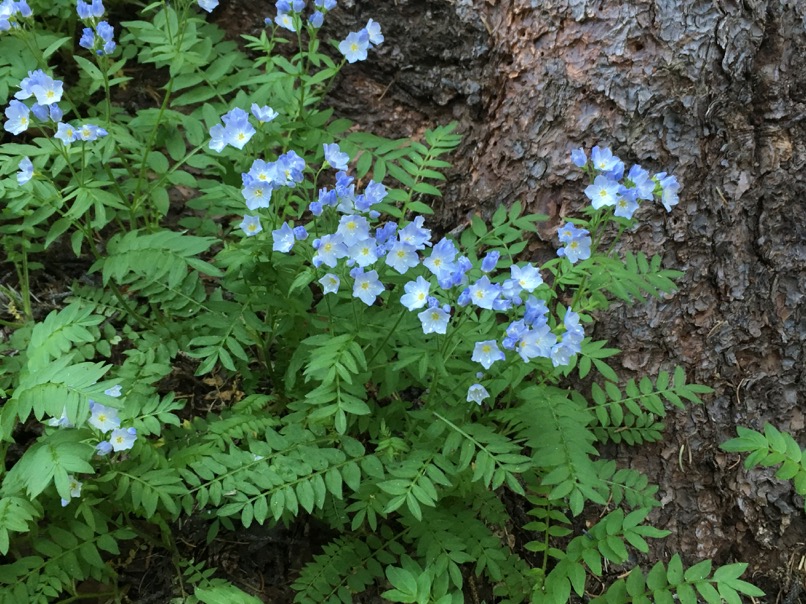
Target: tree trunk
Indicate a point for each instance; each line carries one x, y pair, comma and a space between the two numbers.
711, 91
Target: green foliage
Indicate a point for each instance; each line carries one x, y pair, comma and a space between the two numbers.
201, 371
667, 583
771, 448
631, 415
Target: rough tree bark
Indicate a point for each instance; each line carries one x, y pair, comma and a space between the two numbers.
713, 91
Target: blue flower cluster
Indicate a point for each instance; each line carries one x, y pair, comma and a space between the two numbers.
259, 183
237, 130
105, 420
355, 46
99, 37
289, 13
11, 12
577, 243
47, 93
610, 187
366, 246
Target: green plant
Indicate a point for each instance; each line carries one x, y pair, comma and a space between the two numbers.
362, 406
771, 448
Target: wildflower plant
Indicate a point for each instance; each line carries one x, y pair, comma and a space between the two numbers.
391, 382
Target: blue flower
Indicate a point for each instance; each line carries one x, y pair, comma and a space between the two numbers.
61, 421
251, 225
602, 192
402, 257
353, 229
536, 312
335, 156
87, 39
415, 234
577, 246
217, 142
263, 114
327, 197
262, 171
300, 233
289, 169
257, 194
579, 158
642, 182
364, 253
603, 159
115, 391
237, 129
66, 133
490, 261
476, 394
122, 439
354, 46
515, 331
328, 251
316, 19
536, 342
374, 34
90, 132
374, 192
562, 352
18, 116
487, 353
11, 11
626, 204
330, 283
74, 487
367, 287
416, 295
106, 32
283, 238
208, 5
103, 448
103, 418
87, 10
386, 232
325, 4
54, 113
286, 21
315, 208
670, 188
483, 293
434, 320
440, 262
528, 277
569, 231
26, 171
42, 86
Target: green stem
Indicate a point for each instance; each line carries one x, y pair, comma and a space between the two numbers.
388, 335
